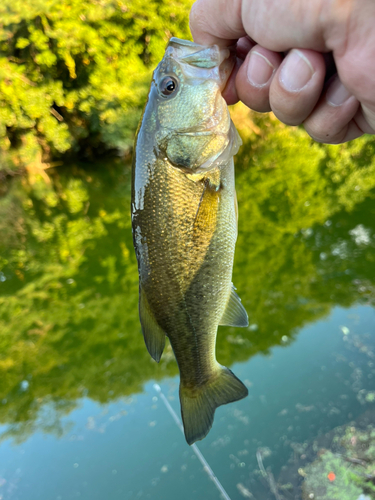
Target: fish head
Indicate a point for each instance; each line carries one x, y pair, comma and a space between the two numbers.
193, 126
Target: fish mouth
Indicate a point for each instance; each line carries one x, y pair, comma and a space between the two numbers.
201, 61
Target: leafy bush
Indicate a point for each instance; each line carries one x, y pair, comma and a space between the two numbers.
74, 74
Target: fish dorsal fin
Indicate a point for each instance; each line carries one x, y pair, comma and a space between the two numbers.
235, 313
154, 336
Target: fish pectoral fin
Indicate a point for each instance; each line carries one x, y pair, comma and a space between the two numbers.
205, 220
198, 405
235, 314
154, 336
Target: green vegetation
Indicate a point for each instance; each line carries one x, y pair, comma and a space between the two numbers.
345, 475
69, 302
69, 283
74, 74
297, 202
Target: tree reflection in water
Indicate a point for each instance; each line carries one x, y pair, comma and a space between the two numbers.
69, 322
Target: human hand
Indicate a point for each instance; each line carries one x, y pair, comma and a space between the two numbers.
294, 86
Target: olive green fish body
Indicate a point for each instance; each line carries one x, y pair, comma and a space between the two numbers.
184, 228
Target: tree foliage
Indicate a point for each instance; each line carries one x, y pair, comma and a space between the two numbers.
74, 74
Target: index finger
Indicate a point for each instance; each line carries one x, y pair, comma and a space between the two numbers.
216, 22
278, 25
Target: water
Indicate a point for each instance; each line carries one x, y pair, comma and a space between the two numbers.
79, 414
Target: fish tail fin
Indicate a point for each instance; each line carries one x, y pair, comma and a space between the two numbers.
198, 405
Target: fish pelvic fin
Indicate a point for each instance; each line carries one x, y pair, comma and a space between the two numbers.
198, 405
154, 335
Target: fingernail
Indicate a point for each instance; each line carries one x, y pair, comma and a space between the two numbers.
296, 72
259, 69
337, 94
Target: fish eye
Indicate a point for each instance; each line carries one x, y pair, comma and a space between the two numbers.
168, 86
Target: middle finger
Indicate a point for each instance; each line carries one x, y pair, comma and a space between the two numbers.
297, 85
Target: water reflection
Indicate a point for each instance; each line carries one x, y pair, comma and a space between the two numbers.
69, 324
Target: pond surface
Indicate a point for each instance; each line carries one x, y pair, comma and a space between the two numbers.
80, 415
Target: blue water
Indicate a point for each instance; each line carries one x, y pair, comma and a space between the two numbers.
79, 414
133, 449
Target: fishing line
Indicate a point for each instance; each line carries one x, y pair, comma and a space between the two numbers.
194, 447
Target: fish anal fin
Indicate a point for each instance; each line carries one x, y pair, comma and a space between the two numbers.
235, 314
154, 335
198, 405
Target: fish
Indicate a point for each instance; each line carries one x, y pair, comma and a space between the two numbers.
184, 223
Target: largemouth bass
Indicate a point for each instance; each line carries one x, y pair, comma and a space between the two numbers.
184, 216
